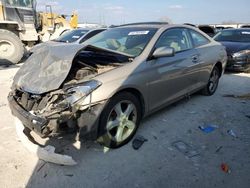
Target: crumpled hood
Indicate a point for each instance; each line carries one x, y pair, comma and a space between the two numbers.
233, 47
46, 68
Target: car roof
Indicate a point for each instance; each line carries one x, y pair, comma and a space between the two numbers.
89, 29
156, 25
142, 24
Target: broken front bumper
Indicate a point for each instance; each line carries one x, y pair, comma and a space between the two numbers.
87, 120
34, 123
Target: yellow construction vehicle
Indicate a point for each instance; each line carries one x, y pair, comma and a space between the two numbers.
22, 26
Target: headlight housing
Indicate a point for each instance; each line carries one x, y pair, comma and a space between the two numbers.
79, 92
242, 53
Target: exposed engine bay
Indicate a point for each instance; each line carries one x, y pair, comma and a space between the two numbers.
51, 110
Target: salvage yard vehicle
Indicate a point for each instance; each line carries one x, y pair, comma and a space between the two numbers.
209, 30
237, 43
22, 26
76, 36
105, 86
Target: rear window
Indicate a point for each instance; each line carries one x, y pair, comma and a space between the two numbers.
233, 36
198, 39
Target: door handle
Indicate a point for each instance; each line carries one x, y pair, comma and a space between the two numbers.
195, 58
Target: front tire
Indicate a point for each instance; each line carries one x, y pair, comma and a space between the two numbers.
11, 47
119, 120
213, 82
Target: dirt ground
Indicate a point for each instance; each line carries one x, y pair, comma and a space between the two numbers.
177, 153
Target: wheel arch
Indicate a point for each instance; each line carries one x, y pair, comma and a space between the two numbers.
137, 94
219, 66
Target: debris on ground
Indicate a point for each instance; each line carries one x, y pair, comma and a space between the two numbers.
44, 153
245, 96
218, 149
208, 128
225, 168
243, 101
77, 145
232, 133
185, 148
192, 112
69, 175
106, 149
154, 135
48, 154
138, 141
44, 163
248, 116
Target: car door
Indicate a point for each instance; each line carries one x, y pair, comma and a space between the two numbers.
207, 55
172, 77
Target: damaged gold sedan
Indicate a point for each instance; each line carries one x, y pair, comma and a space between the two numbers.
102, 88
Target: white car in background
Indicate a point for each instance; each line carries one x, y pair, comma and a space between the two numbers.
76, 36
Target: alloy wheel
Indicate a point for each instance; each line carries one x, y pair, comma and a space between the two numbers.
121, 121
213, 81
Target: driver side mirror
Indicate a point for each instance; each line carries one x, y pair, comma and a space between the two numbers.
163, 52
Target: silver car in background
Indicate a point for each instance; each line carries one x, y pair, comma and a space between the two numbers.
104, 87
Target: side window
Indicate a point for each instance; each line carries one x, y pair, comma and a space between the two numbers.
175, 38
89, 35
198, 38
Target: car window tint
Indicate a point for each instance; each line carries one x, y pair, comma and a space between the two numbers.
235, 35
198, 38
175, 38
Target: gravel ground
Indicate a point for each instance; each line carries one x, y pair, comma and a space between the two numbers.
177, 153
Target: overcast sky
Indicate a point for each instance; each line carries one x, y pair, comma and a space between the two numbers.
179, 11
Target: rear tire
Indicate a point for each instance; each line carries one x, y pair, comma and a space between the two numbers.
11, 47
119, 120
213, 82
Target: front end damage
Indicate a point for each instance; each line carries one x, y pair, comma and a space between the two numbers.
52, 92
51, 115
56, 112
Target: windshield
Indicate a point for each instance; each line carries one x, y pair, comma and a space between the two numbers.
131, 41
71, 36
233, 36
20, 3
